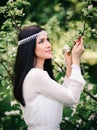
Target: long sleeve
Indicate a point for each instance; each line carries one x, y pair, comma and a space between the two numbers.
46, 86
45, 97
76, 74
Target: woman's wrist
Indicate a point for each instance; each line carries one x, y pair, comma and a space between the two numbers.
68, 71
76, 62
75, 66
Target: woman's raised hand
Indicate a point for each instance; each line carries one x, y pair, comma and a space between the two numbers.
77, 51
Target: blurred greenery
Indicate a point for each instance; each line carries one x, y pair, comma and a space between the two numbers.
65, 21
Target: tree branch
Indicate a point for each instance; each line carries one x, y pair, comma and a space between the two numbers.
70, 123
1, 62
13, 20
94, 98
60, 66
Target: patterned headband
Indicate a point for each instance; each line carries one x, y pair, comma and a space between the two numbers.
31, 37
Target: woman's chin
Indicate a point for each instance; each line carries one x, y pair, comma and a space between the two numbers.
49, 57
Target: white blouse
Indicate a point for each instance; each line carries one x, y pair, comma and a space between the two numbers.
45, 98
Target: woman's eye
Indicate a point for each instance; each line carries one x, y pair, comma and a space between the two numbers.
48, 39
41, 41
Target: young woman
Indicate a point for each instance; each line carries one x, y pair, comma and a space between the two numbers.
40, 96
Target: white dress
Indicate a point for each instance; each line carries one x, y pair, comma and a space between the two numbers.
45, 98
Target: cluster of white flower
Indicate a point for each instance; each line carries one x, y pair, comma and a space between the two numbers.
79, 121
10, 1
13, 103
66, 48
90, 7
90, 87
88, 98
13, 112
74, 110
95, 95
91, 117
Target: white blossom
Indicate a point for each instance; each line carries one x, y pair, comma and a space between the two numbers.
88, 97
13, 103
10, 1
66, 118
91, 117
90, 7
8, 87
93, 30
95, 95
66, 48
90, 87
74, 110
62, 78
13, 112
79, 121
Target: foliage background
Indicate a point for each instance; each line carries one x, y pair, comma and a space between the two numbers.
64, 20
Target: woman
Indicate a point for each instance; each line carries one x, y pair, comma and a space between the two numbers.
40, 96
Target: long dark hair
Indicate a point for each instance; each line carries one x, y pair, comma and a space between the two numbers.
25, 61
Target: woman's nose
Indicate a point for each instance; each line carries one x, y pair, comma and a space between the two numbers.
48, 44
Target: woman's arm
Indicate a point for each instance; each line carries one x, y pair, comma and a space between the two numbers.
50, 88
74, 58
68, 60
70, 95
77, 51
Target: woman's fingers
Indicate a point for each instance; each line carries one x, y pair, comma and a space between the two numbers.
77, 51
79, 43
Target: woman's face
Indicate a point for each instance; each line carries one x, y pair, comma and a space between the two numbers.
43, 47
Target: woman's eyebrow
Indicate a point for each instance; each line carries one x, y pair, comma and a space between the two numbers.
41, 39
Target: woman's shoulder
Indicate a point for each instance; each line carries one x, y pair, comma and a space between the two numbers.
36, 72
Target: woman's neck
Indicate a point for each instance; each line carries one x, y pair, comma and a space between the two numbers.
39, 64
